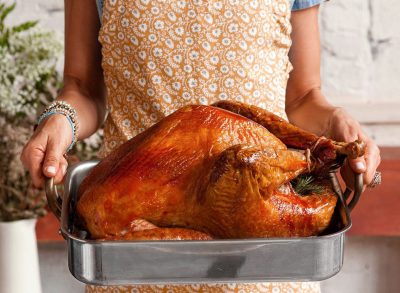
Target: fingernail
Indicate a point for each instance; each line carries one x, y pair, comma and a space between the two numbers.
51, 170
64, 169
360, 166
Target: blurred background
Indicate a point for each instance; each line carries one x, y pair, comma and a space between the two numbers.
360, 65
360, 42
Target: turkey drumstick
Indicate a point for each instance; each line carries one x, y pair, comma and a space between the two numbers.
292, 136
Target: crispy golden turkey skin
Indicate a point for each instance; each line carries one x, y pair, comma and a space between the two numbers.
207, 172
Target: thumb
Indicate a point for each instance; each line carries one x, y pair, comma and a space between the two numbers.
358, 165
54, 154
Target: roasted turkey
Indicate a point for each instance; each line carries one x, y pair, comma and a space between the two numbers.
204, 172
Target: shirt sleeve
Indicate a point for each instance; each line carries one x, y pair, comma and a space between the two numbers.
303, 4
99, 4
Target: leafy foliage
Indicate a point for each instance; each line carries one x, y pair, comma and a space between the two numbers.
305, 185
29, 81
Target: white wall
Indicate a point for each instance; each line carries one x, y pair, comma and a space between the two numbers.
360, 62
49, 12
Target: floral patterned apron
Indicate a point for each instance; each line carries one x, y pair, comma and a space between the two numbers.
159, 55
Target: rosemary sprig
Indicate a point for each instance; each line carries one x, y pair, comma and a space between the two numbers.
305, 185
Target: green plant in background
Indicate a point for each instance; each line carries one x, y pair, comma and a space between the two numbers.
29, 81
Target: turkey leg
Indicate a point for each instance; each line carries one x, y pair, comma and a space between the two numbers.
322, 148
249, 195
152, 232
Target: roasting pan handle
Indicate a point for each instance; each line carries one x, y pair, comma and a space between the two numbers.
54, 201
358, 189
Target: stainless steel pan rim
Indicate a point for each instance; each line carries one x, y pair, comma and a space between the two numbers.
55, 201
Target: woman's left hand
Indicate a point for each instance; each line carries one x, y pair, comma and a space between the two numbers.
313, 113
342, 127
309, 109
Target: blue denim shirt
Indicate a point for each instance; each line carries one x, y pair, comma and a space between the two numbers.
302, 4
296, 4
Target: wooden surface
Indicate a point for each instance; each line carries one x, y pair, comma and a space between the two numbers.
376, 214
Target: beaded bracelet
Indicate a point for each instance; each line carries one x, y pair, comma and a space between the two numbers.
63, 108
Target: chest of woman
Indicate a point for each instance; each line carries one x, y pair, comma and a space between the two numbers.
161, 55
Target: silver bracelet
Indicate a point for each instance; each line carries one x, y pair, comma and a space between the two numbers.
63, 108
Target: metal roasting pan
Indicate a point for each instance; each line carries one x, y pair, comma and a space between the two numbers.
212, 261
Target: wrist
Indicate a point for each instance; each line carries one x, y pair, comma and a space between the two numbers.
83, 104
64, 109
312, 112
57, 125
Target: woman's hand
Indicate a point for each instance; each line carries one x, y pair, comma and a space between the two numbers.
43, 155
342, 127
313, 113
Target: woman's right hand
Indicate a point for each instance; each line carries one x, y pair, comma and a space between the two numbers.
83, 89
43, 154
